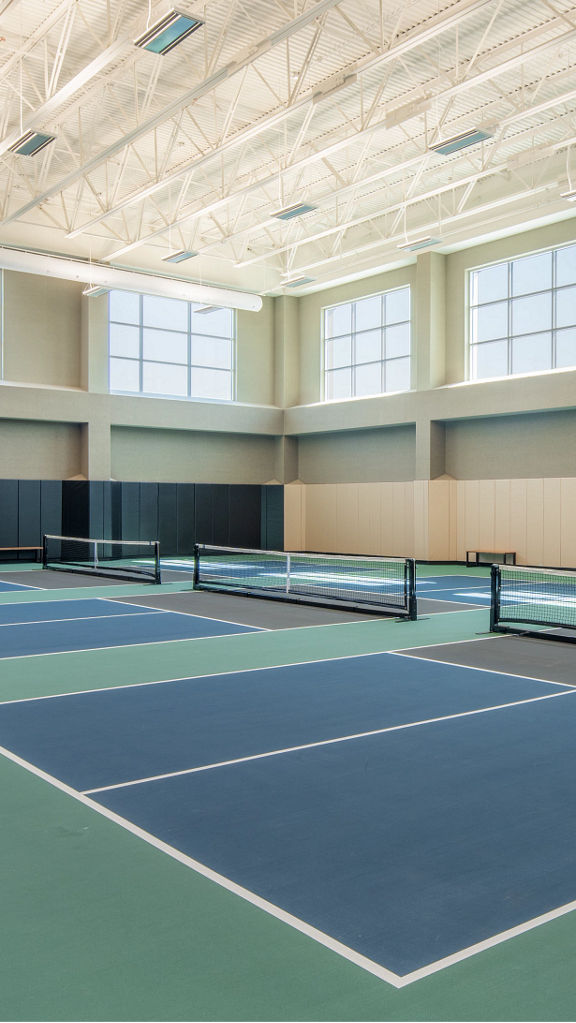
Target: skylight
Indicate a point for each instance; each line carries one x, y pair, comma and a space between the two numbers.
31, 143
167, 32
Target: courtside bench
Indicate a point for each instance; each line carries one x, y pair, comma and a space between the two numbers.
490, 558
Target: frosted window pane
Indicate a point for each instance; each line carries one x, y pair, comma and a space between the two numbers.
339, 352
531, 314
210, 351
165, 312
159, 378
398, 375
369, 346
489, 284
124, 375
566, 348
369, 313
124, 341
338, 320
490, 322
339, 384
490, 360
397, 341
368, 379
397, 305
532, 273
566, 307
566, 265
124, 306
165, 346
211, 383
532, 354
216, 323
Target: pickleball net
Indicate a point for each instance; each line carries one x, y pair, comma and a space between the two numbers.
137, 560
523, 597
385, 585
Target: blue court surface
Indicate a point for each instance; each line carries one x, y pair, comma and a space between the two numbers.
4, 586
458, 589
407, 809
57, 626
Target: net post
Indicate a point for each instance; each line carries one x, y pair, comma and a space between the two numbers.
494, 597
410, 575
157, 574
95, 558
45, 551
196, 553
287, 573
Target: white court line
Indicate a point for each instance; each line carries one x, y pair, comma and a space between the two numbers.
368, 965
199, 868
325, 742
193, 614
438, 600
84, 618
474, 667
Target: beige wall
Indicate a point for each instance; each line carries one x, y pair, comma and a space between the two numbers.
189, 457
437, 520
39, 450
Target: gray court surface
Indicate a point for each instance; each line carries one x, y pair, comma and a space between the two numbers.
45, 579
513, 655
431, 607
266, 614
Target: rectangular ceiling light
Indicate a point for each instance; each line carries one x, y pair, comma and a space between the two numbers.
458, 142
166, 33
94, 290
418, 243
297, 210
179, 256
31, 143
298, 282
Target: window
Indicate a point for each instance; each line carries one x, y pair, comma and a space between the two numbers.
523, 315
164, 347
367, 346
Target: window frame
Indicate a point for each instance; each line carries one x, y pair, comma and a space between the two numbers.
188, 365
552, 329
382, 327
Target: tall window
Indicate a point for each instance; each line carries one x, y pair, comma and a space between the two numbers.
523, 315
367, 346
167, 348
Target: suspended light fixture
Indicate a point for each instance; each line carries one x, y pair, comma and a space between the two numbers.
31, 143
458, 142
167, 32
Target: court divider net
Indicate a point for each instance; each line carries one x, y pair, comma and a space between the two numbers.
385, 585
137, 560
524, 596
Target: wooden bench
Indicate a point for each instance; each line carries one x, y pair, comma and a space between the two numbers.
496, 557
17, 550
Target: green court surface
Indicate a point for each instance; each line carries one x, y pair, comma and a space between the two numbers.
100, 925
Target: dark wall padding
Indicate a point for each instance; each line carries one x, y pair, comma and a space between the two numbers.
178, 514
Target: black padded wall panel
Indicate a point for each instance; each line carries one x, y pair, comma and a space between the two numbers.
29, 513
148, 523
8, 512
272, 518
186, 518
130, 511
50, 508
76, 508
167, 518
244, 526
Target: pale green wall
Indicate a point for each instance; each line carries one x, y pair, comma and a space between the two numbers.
182, 456
360, 456
42, 327
508, 447
39, 450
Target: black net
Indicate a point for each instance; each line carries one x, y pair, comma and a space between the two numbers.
383, 584
126, 559
532, 596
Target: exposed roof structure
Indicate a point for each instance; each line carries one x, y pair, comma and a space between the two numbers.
341, 106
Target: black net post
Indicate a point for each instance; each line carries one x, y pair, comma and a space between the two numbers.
157, 572
44, 551
494, 597
411, 602
196, 553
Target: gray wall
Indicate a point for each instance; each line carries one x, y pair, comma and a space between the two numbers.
509, 447
39, 450
183, 456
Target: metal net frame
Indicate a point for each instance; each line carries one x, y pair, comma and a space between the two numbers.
522, 596
135, 560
